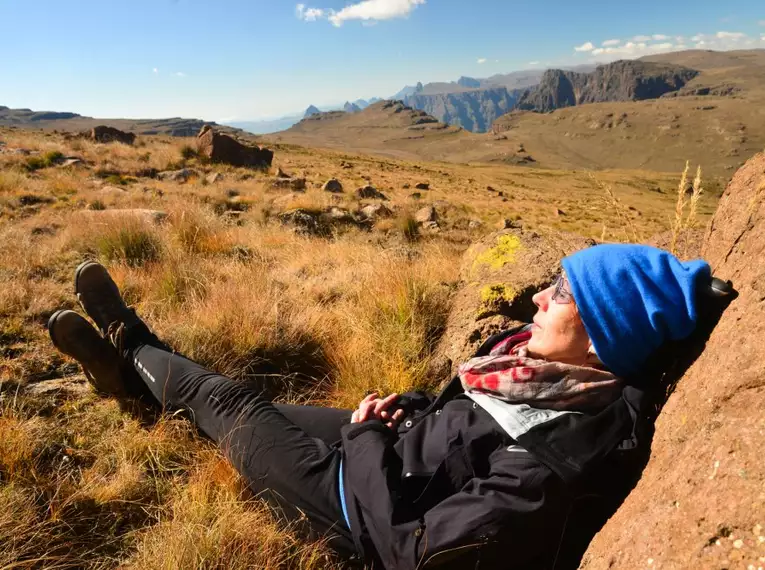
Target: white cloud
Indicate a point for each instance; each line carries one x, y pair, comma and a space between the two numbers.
587, 46
730, 35
610, 43
374, 10
634, 49
481, 60
761, 22
659, 37
180, 74
642, 39
533, 63
308, 14
155, 71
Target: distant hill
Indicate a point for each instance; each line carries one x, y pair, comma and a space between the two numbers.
63, 121
311, 110
351, 107
625, 80
266, 126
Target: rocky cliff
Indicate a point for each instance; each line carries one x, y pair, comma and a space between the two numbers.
626, 80
474, 109
701, 500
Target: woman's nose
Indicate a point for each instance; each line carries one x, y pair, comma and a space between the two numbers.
542, 298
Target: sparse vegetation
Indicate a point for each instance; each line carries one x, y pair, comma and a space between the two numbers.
315, 319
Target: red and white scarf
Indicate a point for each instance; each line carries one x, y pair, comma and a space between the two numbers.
509, 374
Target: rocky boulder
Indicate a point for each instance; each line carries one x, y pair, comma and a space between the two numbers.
104, 134
425, 215
296, 184
332, 185
317, 223
375, 211
369, 191
221, 148
181, 175
701, 500
499, 274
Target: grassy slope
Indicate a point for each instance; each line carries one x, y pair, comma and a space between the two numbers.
82, 482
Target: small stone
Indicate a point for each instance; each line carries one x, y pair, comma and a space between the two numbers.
71, 161
415, 195
738, 543
475, 224
214, 177
422, 186
506, 224
281, 174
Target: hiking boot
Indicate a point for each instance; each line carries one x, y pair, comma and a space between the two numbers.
99, 295
76, 337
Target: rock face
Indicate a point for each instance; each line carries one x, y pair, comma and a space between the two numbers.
499, 275
701, 500
104, 134
474, 110
626, 80
218, 147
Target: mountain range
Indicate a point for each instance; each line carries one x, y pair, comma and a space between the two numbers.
707, 107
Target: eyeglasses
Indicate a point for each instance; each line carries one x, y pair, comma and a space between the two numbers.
562, 294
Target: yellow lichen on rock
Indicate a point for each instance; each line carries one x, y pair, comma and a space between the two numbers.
492, 296
501, 254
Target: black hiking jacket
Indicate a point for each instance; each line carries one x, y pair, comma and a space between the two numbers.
451, 489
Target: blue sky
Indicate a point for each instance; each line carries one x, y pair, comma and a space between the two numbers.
237, 59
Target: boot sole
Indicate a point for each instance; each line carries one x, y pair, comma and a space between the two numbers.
51, 328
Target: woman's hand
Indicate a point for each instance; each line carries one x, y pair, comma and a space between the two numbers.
374, 407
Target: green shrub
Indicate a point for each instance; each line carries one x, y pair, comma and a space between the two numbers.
409, 228
43, 161
133, 246
188, 152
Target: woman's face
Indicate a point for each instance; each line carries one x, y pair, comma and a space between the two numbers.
558, 333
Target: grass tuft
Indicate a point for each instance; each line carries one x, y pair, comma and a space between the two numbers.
133, 245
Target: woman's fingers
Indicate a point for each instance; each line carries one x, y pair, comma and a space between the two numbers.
382, 405
355, 417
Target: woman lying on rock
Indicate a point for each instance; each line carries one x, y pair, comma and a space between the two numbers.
486, 474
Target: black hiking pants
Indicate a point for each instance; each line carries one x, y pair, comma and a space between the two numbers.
289, 455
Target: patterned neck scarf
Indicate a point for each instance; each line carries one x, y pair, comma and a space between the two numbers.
508, 373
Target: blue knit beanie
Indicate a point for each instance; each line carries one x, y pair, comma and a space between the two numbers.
633, 298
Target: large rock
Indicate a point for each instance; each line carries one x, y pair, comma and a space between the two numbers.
104, 134
701, 500
499, 275
218, 147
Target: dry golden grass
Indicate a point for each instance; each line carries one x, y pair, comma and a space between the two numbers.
313, 319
